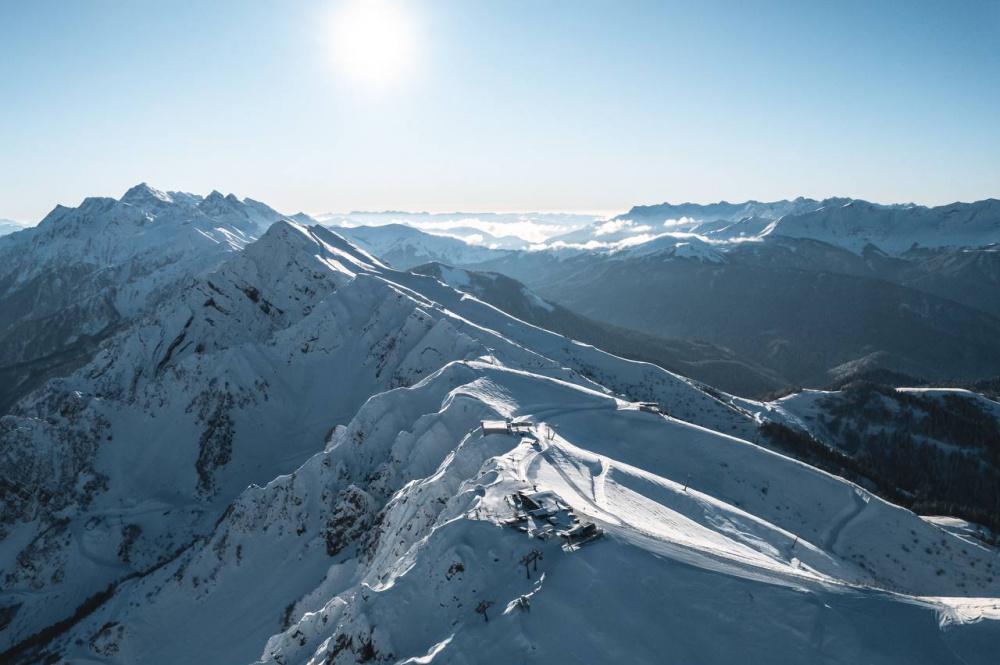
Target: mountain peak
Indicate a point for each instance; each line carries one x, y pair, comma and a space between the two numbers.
143, 194
285, 239
217, 200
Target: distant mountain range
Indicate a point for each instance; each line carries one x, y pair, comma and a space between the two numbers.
851, 224
810, 291
498, 230
9, 226
235, 436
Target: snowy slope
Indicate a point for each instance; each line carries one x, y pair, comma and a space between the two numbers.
284, 341
142, 231
382, 547
896, 229
284, 463
807, 410
83, 272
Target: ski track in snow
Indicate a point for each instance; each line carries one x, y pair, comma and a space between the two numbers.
850, 514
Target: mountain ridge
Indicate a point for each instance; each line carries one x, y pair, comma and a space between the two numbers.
81, 273
286, 461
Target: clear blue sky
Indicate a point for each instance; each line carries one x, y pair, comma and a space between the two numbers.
513, 105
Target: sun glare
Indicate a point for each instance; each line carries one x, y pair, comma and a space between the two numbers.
373, 41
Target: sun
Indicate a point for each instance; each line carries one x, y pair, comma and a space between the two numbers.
373, 41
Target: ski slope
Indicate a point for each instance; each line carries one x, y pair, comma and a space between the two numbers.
696, 563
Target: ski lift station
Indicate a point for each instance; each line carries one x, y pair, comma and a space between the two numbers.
506, 427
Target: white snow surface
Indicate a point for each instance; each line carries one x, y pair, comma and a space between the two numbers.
896, 229
854, 225
154, 239
284, 464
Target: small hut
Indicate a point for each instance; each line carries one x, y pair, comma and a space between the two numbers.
496, 427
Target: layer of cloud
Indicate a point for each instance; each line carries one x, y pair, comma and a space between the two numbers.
617, 226
683, 221
529, 227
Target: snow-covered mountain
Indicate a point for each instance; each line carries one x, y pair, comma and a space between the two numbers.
253, 353
8, 226
285, 462
404, 247
727, 212
642, 223
895, 229
82, 272
846, 223
933, 449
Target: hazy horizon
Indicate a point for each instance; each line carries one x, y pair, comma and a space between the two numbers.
443, 106
605, 213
